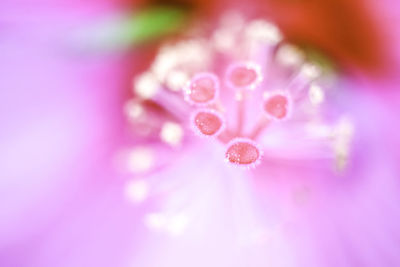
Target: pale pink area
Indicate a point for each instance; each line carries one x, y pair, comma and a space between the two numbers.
61, 124
62, 198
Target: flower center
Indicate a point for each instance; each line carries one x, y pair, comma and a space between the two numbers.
237, 103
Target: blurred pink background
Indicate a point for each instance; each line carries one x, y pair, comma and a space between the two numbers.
62, 198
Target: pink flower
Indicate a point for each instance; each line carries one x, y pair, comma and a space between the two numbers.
237, 92
302, 205
82, 185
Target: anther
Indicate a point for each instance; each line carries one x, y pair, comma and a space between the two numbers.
307, 74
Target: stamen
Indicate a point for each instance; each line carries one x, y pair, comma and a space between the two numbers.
171, 133
244, 76
137, 191
316, 94
289, 55
241, 108
243, 152
172, 72
140, 159
225, 136
208, 122
203, 89
342, 138
175, 80
308, 73
146, 85
311, 71
277, 106
259, 128
133, 109
263, 31
169, 58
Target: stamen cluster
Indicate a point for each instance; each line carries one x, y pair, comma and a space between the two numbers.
232, 87
241, 79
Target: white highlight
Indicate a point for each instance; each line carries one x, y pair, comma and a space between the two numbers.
239, 96
342, 137
146, 85
289, 55
223, 40
137, 191
171, 133
176, 80
155, 221
263, 31
316, 94
140, 159
174, 225
225, 36
318, 130
311, 71
197, 56
133, 109
177, 225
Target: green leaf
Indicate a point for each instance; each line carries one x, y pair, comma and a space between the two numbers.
153, 23
126, 30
